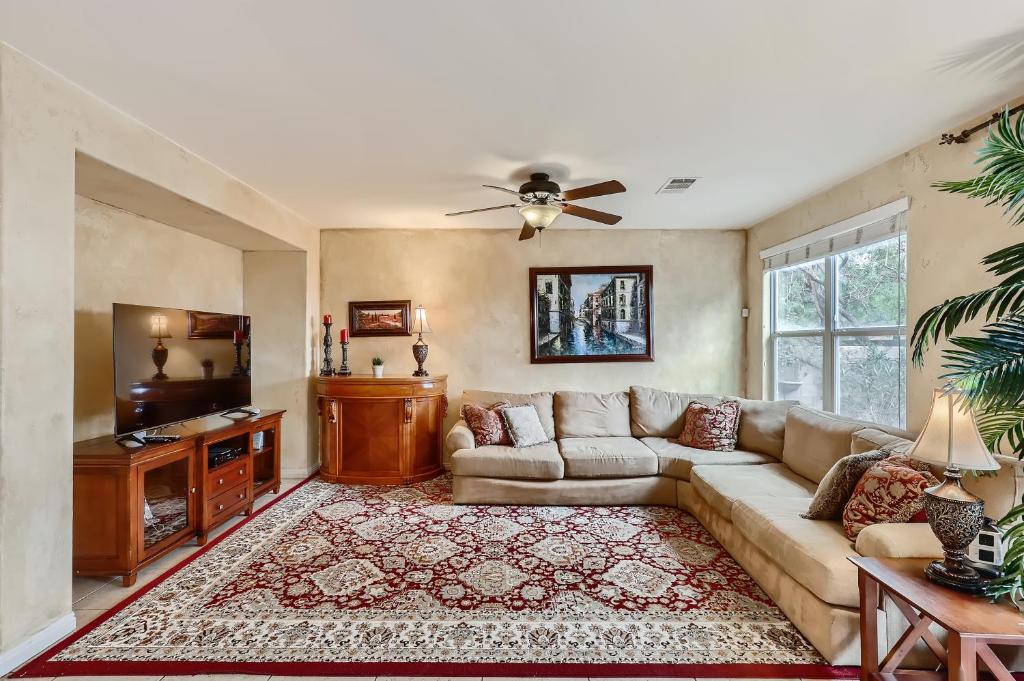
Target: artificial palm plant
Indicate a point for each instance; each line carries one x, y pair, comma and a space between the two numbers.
988, 368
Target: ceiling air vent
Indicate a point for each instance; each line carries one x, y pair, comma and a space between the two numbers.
676, 185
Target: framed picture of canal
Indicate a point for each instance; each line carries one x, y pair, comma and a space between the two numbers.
591, 314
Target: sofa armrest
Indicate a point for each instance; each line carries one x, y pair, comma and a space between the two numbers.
898, 540
460, 437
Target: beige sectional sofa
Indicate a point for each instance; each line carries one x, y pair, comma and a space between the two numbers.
620, 448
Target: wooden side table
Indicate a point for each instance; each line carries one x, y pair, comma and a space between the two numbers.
973, 623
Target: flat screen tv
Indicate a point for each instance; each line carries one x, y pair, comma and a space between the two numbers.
172, 365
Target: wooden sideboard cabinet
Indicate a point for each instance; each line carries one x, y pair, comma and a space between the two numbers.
383, 431
133, 504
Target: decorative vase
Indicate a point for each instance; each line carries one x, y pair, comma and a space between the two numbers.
207, 370
378, 370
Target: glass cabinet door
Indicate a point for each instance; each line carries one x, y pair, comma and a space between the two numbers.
166, 500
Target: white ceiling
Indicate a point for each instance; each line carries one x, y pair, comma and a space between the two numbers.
390, 113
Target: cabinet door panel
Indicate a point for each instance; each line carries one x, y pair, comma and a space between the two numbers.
370, 436
425, 450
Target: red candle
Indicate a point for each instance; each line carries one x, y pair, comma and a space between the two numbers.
327, 319
238, 337
343, 336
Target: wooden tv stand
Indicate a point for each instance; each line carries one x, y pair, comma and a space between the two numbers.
135, 503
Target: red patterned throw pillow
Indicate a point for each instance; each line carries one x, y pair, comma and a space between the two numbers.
891, 491
711, 427
487, 424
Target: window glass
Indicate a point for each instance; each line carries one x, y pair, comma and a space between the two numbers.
798, 369
870, 375
872, 285
800, 297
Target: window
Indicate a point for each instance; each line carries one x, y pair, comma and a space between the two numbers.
838, 332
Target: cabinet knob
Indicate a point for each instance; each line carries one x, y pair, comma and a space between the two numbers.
193, 490
220, 507
242, 495
241, 471
220, 481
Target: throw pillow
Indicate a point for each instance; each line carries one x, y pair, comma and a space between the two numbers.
711, 427
487, 424
837, 486
888, 492
524, 426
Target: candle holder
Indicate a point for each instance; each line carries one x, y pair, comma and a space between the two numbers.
238, 370
248, 350
328, 366
344, 370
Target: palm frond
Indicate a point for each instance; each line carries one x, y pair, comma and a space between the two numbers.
989, 369
1002, 178
1003, 427
943, 319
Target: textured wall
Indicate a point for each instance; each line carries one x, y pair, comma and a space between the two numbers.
474, 284
44, 120
946, 238
123, 258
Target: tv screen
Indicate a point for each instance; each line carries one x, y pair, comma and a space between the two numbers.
172, 365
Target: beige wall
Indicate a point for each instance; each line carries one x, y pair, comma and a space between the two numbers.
121, 257
474, 286
45, 121
946, 238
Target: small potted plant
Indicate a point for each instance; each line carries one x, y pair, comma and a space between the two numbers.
207, 365
378, 366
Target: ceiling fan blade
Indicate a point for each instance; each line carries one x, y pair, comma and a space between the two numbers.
527, 233
589, 214
481, 210
502, 189
599, 189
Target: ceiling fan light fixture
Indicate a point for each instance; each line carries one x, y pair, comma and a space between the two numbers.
540, 215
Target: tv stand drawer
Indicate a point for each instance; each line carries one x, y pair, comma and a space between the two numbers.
227, 476
229, 502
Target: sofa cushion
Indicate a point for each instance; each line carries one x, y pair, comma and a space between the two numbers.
659, 413
815, 440
607, 457
540, 462
813, 552
899, 540
868, 439
675, 460
580, 414
763, 425
543, 401
722, 486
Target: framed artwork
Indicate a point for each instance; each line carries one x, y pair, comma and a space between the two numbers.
380, 318
591, 314
214, 325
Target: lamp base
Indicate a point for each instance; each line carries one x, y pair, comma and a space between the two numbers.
419, 353
960, 577
955, 516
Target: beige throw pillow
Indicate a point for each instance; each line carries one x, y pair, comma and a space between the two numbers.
524, 426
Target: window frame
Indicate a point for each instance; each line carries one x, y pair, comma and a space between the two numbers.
831, 333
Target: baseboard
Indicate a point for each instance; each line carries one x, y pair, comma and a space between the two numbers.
296, 473
36, 643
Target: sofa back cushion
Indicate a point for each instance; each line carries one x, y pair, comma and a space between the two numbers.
815, 440
763, 426
544, 403
1000, 490
580, 414
659, 413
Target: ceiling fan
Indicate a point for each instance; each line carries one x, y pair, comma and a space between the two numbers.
541, 201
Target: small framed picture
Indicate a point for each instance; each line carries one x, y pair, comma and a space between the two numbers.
210, 325
380, 318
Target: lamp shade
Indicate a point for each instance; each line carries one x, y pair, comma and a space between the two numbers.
951, 438
419, 320
540, 215
158, 326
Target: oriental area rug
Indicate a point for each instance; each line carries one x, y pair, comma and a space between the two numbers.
360, 580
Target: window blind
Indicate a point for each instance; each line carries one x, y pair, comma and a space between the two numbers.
867, 228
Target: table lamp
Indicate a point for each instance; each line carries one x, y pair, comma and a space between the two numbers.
158, 329
419, 348
950, 438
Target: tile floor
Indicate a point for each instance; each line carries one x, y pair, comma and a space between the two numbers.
94, 596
